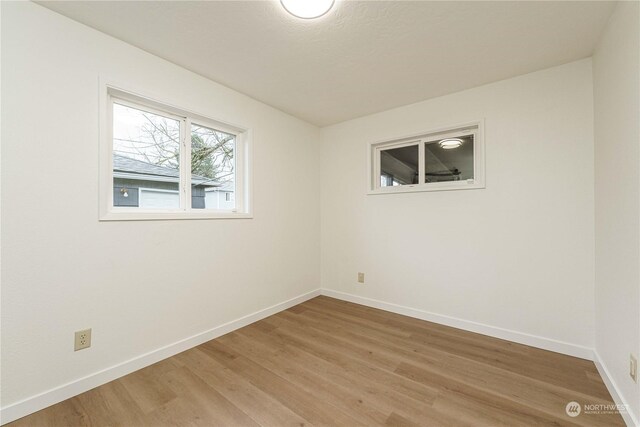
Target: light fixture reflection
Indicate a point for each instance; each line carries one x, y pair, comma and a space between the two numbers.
450, 143
307, 9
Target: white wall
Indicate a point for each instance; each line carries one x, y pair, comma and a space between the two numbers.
517, 255
139, 285
616, 72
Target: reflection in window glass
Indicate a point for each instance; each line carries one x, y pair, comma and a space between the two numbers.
449, 164
212, 168
399, 166
146, 157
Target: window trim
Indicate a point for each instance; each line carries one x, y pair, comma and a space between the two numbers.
136, 99
421, 138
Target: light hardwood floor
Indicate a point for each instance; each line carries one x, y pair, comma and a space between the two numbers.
329, 362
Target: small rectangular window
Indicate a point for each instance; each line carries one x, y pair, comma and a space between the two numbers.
447, 159
167, 163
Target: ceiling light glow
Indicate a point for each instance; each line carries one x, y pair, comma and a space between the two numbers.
307, 9
450, 143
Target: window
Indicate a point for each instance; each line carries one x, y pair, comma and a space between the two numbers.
161, 162
449, 159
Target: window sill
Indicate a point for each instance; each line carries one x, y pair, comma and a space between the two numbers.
416, 188
180, 215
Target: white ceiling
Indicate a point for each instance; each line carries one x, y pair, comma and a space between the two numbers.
361, 58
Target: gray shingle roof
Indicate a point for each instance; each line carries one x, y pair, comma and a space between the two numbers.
224, 186
126, 164
125, 167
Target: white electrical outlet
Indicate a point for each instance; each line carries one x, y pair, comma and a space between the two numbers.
360, 277
83, 339
633, 368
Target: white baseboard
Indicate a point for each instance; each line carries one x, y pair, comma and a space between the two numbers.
40, 401
492, 331
628, 416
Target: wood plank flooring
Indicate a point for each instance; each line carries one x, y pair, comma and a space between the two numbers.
331, 363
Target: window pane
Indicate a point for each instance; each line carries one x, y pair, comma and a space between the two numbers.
399, 166
212, 169
452, 163
146, 150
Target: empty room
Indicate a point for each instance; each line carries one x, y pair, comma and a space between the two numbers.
319, 213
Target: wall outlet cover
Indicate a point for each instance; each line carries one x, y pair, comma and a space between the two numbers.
83, 340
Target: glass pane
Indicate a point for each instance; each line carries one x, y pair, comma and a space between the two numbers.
146, 155
399, 166
449, 159
212, 169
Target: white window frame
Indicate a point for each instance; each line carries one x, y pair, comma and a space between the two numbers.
111, 93
373, 160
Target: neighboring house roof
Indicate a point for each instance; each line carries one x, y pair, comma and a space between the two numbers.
128, 168
228, 186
